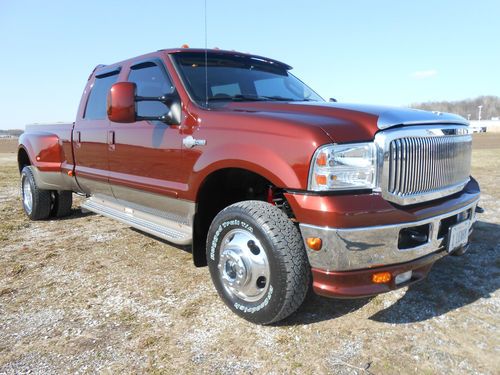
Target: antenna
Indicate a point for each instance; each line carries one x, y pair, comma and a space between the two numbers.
206, 58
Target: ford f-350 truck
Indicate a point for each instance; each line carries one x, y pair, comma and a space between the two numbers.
273, 188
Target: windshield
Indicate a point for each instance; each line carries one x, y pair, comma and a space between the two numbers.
239, 78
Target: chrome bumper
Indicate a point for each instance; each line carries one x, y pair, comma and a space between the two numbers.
347, 249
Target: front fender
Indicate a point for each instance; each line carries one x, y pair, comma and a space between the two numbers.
260, 160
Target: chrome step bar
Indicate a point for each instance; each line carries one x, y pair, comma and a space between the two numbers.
167, 229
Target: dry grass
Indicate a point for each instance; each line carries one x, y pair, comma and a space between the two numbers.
87, 294
8, 145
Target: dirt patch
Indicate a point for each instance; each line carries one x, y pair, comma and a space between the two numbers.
87, 294
483, 141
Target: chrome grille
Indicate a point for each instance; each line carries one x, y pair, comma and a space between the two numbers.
420, 165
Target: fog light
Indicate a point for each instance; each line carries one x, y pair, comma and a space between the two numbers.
314, 243
381, 277
403, 277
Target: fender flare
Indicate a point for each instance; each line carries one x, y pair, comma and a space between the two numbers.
44, 150
259, 160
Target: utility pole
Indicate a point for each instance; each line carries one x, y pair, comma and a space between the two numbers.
479, 114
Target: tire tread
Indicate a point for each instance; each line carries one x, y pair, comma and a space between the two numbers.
62, 204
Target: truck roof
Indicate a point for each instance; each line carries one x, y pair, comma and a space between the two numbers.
172, 51
221, 51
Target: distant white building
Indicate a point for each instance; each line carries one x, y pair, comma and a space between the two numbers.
491, 125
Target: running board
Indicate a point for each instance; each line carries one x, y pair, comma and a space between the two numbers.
167, 229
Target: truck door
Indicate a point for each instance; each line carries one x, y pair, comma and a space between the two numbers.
145, 160
91, 137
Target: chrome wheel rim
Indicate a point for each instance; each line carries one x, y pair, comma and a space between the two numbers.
27, 196
243, 266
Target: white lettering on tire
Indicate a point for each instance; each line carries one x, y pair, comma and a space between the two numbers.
221, 227
259, 307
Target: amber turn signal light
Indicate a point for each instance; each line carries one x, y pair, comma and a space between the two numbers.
321, 160
320, 179
314, 243
381, 277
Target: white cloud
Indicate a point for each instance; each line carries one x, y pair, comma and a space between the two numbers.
423, 74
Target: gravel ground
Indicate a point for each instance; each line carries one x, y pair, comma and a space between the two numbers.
87, 294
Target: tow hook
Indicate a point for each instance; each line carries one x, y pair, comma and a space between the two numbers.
479, 210
417, 237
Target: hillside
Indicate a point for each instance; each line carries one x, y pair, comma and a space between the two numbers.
466, 107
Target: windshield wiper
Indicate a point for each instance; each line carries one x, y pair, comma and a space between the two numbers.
283, 99
279, 98
255, 98
237, 98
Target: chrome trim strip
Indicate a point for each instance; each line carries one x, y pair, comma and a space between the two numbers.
347, 249
384, 122
162, 206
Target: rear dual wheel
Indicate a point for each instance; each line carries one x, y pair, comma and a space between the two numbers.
40, 204
257, 261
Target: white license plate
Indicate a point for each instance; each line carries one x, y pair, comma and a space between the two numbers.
458, 235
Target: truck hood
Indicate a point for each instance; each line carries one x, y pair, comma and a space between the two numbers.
344, 122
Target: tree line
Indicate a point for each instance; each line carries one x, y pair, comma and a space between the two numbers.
490, 107
14, 132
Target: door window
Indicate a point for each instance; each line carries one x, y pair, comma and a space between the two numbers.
151, 80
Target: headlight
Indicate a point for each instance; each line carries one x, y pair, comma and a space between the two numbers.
344, 167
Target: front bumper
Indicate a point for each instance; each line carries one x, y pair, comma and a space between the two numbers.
348, 249
356, 284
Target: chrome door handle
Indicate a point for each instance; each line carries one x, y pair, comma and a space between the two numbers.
111, 137
111, 140
191, 142
77, 138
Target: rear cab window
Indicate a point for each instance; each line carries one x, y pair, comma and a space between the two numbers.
96, 103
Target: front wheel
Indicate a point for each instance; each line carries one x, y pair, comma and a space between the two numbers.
257, 261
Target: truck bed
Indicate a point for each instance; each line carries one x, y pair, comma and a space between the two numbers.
49, 145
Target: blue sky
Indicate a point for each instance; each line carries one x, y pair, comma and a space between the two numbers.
382, 52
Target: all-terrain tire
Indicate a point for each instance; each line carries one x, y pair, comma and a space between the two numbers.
61, 203
36, 202
289, 270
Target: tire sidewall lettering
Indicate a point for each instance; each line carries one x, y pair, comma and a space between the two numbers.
254, 309
221, 227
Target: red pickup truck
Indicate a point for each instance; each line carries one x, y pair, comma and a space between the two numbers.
273, 188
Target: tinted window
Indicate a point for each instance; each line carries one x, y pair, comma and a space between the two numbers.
230, 90
96, 104
151, 80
